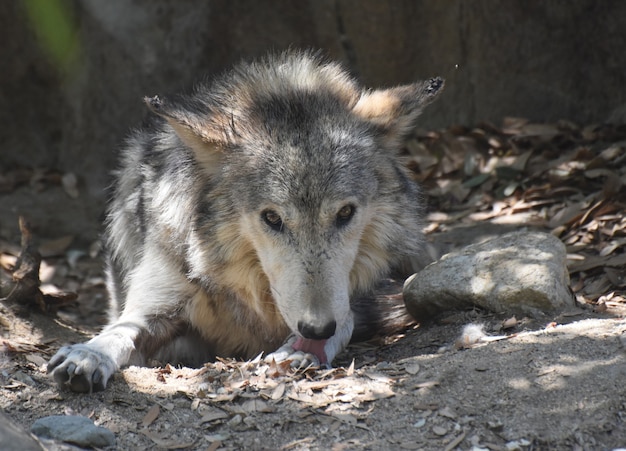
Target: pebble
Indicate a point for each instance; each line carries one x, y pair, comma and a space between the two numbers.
448, 413
419, 423
236, 420
77, 430
412, 368
23, 378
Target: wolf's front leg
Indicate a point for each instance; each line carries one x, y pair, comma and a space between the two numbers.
154, 292
88, 367
303, 352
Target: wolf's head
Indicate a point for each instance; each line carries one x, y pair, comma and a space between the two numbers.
309, 163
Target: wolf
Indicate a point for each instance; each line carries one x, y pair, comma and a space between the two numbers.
252, 215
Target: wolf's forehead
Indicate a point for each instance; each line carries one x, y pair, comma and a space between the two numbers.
298, 111
306, 121
313, 174
303, 125
327, 144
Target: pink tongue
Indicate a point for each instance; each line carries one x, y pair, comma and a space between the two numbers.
315, 347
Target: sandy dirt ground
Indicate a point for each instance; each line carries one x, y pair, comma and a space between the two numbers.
558, 385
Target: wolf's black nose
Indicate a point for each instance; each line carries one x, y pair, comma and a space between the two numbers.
317, 332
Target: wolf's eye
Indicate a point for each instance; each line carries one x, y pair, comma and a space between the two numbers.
273, 220
345, 214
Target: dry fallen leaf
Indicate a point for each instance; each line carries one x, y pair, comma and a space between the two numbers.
456, 442
256, 405
509, 323
36, 359
278, 392
350, 370
213, 415
7, 262
164, 442
152, 415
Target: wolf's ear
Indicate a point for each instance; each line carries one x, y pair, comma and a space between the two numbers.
395, 110
202, 131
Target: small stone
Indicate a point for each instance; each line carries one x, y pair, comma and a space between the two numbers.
235, 421
77, 430
448, 413
23, 378
522, 273
420, 423
412, 368
517, 445
495, 425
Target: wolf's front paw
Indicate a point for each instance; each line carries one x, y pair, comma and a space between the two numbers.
81, 368
299, 359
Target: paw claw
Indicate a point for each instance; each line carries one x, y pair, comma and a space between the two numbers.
81, 368
71, 370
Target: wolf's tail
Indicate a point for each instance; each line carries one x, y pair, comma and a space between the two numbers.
380, 314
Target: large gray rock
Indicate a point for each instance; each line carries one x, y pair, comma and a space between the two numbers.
73, 429
522, 273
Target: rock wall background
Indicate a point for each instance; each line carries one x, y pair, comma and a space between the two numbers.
545, 60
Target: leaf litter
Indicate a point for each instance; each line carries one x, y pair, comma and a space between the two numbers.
560, 177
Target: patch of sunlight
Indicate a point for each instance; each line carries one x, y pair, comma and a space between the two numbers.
520, 383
